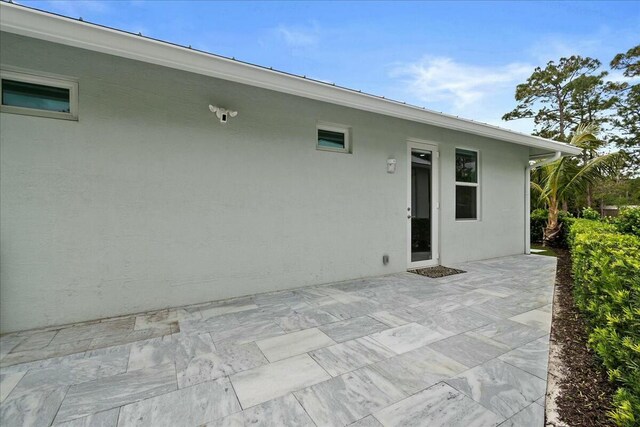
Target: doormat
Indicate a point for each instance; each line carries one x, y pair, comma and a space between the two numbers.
438, 271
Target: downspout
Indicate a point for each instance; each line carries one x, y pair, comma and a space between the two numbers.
527, 197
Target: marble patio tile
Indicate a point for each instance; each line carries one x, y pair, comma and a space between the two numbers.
41, 363
8, 382
39, 393
510, 333
500, 387
495, 291
83, 331
354, 309
129, 337
154, 319
101, 419
355, 327
227, 307
277, 379
456, 321
437, 406
388, 318
153, 352
347, 356
33, 406
498, 309
247, 332
226, 360
188, 406
110, 392
284, 346
417, 369
546, 308
8, 342
347, 398
48, 352
303, 319
429, 308
407, 337
283, 411
532, 358
36, 341
368, 421
476, 296
531, 416
538, 319
233, 420
277, 298
468, 349
200, 326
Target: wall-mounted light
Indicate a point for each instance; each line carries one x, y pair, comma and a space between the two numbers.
222, 113
391, 165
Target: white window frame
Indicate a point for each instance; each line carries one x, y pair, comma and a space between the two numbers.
29, 77
335, 127
469, 184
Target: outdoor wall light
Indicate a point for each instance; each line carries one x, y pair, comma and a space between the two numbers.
222, 113
391, 165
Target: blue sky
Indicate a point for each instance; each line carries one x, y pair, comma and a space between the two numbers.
463, 58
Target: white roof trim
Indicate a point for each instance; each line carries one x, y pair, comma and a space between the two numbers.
58, 29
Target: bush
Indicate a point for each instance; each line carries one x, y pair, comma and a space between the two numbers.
589, 213
628, 221
538, 222
606, 270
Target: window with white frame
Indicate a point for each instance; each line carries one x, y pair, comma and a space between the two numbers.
467, 184
36, 95
333, 137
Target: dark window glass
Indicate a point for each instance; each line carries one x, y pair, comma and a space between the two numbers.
466, 166
466, 202
330, 139
31, 95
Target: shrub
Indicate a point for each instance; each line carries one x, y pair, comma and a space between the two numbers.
589, 213
539, 218
606, 270
628, 221
538, 222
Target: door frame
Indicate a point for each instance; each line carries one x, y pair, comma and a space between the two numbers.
423, 145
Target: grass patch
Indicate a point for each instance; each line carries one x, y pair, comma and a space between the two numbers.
546, 251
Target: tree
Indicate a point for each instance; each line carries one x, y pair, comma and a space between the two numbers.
563, 178
628, 62
627, 102
560, 95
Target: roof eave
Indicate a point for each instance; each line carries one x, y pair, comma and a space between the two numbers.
42, 25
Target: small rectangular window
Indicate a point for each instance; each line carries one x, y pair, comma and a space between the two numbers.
30, 94
331, 137
467, 184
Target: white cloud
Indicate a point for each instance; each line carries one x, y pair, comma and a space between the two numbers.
445, 81
297, 37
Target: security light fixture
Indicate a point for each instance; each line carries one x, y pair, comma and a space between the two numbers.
222, 113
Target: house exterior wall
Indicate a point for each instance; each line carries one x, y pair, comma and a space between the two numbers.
147, 201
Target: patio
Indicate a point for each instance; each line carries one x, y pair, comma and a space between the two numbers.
464, 350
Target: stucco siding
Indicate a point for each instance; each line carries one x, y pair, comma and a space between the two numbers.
147, 201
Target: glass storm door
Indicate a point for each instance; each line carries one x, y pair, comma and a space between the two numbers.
423, 205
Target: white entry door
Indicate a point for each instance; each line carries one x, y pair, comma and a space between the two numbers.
423, 204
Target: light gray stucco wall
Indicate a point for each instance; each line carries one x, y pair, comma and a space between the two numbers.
149, 202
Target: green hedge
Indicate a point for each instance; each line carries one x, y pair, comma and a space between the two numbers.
538, 222
606, 271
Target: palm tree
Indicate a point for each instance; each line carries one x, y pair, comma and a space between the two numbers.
567, 176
